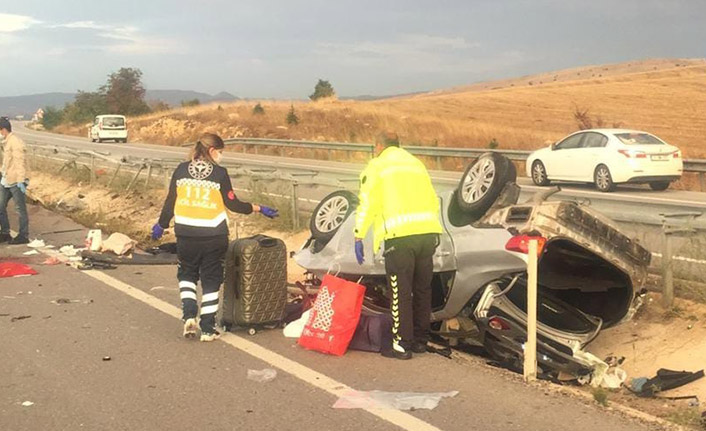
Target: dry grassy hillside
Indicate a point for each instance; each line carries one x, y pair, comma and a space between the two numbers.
666, 97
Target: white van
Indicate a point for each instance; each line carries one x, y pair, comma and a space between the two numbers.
108, 127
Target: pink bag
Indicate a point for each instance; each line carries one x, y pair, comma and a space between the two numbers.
335, 316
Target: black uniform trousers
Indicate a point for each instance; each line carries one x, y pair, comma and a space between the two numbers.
409, 267
201, 258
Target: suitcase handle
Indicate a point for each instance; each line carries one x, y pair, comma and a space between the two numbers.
267, 241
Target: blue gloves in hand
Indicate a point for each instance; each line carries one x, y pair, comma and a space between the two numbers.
359, 253
268, 212
22, 187
157, 231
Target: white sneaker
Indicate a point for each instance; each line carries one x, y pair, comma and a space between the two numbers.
190, 328
206, 337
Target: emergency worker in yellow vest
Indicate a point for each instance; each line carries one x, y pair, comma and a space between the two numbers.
397, 198
199, 194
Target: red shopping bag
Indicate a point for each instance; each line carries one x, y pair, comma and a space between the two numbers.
335, 315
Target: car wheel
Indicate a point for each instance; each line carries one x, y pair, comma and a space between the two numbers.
330, 214
659, 185
603, 180
99, 140
482, 183
539, 174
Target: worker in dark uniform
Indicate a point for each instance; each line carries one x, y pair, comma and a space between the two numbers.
199, 194
398, 199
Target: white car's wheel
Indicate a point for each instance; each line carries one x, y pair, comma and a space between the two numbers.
603, 179
539, 174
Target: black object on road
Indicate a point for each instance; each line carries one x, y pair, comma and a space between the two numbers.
668, 379
255, 287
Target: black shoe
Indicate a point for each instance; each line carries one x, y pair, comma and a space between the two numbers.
397, 352
19, 240
5, 237
419, 347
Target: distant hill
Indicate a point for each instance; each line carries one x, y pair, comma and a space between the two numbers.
27, 105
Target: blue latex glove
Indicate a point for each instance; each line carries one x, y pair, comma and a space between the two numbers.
359, 253
22, 187
268, 212
157, 231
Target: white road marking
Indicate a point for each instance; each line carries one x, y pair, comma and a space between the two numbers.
306, 374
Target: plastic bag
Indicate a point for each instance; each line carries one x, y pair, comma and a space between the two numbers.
295, 329
391, 400
262, 376
13, 269
335, 316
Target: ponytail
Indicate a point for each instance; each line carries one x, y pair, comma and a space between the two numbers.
203, 145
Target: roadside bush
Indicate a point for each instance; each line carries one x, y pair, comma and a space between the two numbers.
258, 110
292, 118
188, 103
323, 89
493, 144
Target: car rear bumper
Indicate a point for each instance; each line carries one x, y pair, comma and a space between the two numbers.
651, 178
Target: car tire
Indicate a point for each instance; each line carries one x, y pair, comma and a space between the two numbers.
603, 180
659, 186
99, 140
330, 213
482, 182
539, 174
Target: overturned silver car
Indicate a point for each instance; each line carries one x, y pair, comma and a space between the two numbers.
590, 274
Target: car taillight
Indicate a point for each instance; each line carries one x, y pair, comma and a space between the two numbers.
520, 244
677, 154
632, 154
498, 324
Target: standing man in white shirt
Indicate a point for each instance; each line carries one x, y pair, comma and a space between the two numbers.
13, 184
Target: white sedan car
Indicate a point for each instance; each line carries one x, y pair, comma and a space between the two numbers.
607, 157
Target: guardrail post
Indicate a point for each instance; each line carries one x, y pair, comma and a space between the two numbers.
702, 181
295, 205
438, 163
149, 175
93, 169
167, 178
134, 179
667, 270
115, 175
530, 355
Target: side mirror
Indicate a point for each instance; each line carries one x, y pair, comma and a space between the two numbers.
553, 146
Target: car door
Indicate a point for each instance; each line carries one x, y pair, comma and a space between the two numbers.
588, 155
563, 160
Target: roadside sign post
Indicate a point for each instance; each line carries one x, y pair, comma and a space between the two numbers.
530, 365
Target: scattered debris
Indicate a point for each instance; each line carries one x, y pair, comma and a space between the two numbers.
94, 240
106, 358
69, 251
295, 329
262, 376
30, 253
52, 261
60, 301
14, 269
391, 400
37, 243
664, 380
118, 243
27, 404
15, 319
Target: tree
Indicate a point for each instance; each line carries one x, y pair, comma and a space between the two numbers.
52, 117
258, 109
85, 107
292, 117
124, 92
322, 90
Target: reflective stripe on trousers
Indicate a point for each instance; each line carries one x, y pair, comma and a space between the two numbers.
395, 309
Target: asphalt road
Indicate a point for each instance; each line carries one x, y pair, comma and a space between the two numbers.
629, 203
157, 380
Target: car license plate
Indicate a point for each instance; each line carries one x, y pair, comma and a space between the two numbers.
660, 157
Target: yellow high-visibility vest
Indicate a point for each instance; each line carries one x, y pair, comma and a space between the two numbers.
396, 195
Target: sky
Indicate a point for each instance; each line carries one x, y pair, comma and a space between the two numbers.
280, 48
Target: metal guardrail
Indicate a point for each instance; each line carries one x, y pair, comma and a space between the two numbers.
690, 165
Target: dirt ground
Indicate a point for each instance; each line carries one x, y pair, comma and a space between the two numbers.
657, 338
